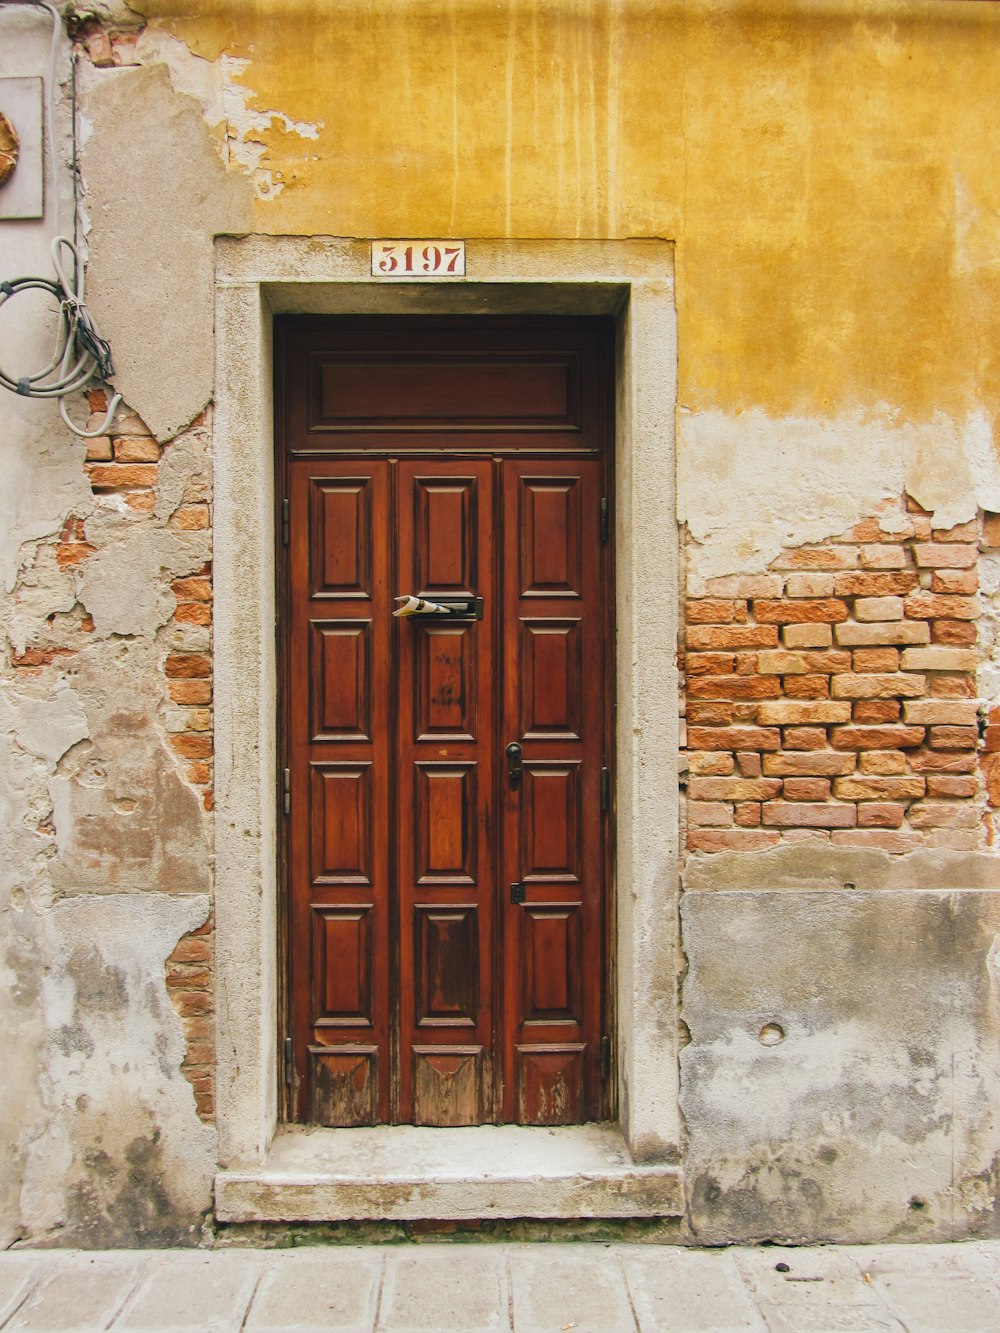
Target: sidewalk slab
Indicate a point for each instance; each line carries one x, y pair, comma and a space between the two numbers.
441, 1289
561, 1287
19, 1271
688, 1291
304, 1290
194, 1290
814, 1291
934, 1303
79, 1291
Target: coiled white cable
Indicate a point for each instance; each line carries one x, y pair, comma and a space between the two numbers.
81, 354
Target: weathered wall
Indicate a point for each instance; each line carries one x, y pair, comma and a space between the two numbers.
838, 275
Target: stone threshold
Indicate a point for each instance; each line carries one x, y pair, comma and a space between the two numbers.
411, 1173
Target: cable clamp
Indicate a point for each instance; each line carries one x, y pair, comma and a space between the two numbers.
23, 388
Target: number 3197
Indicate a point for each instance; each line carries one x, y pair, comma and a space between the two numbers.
418, 259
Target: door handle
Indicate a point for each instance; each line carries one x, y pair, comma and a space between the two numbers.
515, 763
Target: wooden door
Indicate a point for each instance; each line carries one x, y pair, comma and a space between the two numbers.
446, 791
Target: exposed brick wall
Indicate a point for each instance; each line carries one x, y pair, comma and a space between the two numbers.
834, 697
126, 463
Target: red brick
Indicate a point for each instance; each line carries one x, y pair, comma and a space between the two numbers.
69, 554
953, 687
817, 557
748, 762
733, 738
991, 738
790, 814
953, 632
877, 633
875, 685
99, 450
192, 950
196, 589
806, 636
945, 555
880, 814
711, 763
711, 611
809, 585
191, 691
953, 738
745, 585
875, 584
192, 746
962, 581
199, 774
731, 840
188, 975
709, 814
882, 762
805, 738
888, 556
136, 449
991, 529
885, 840
733, 789
117, 476
807, 687
876, 738
940, 606
711, 713
747, 814
943, 814
192, 1002
824, 609
808, 763
991, 776
190, 518
875, 659
143, 502
801, 712
876, 710
193, 613
187, 665
942, 761
941, 712
733, 687
961, 532
963, 786
721, 637
871, 788
806, 789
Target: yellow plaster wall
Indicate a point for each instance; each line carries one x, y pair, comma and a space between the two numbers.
829, 169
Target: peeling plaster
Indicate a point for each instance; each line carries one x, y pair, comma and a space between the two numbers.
750, 485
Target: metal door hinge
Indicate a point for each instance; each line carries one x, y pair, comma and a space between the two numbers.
286, 521
605, 520
517, 892
286, 790
289, 1062
605, 790
605, 1058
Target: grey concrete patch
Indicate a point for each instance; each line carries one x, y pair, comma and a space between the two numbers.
82, 1291
188, 1291
875, 1112
688, 1292
314, 1289
814, 1291
429, 1290
813, 867
559, 1287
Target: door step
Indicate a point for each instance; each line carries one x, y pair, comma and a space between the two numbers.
410, 1173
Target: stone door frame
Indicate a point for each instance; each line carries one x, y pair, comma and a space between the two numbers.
258, 277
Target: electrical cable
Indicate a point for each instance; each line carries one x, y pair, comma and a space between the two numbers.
81, 354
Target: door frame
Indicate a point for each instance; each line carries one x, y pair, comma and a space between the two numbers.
258, 277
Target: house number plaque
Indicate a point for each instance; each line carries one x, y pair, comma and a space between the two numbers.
418, 259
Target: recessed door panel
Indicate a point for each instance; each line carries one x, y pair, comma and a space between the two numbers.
446, 841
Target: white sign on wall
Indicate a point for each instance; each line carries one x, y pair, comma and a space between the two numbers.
418, 259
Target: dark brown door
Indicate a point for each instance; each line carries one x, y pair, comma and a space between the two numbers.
447, 827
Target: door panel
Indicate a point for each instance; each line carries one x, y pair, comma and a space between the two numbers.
446, 920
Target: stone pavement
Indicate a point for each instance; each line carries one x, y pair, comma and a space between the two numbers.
585, 1287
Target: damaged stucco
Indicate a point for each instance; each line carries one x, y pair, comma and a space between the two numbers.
838, 304
842, 1081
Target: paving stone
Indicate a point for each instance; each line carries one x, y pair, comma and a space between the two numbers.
688, 1291
577, 1288
936, 1303
444, 1288
208, 1292
318, 1288
822, 1291
79, 1291
19, 1272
